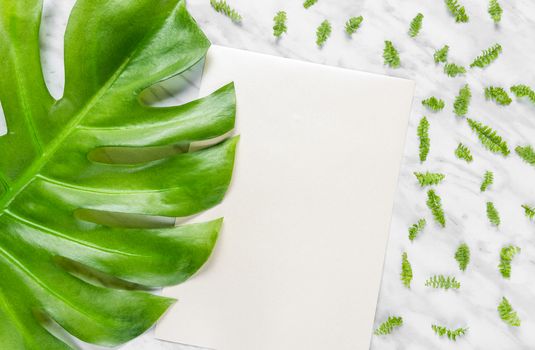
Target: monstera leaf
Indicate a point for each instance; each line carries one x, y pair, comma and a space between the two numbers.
82, 178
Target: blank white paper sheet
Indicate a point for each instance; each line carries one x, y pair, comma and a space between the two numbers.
299, 260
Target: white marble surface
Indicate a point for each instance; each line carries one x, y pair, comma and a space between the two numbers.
474, 305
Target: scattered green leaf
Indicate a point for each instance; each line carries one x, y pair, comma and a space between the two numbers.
497, 94
223, 7
492, 214
529, 211
453, 70
423, 135
523, 91
463, 152
279, 24
489, 138
429, 179
442, 282
434, 204
488, 179
457, 11
451, 334
506, 257
391, 55
441, 55
495, 11
526, 153
308, 3
353, 24
416, 228
389, 325
323, 33
487, 56
462, 255
433, 103
508, 314
406, 271
416, 25
462, 101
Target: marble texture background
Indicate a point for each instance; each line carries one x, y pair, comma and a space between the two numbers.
474, 305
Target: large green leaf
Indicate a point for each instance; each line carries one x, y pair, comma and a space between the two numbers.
79, 245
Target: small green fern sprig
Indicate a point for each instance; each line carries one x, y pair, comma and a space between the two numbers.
488, 179
492, 214
457, 11
497, 94
506, 257
523, 91
433, 103
526, 153
406, 271
529, 211
353, 24
451, 334
441, 55
423, 136
391, 55
279, 24
462, 255
323, 33
429, 179
416, 25
495, 11
416, 228
442, 282
223, 7
489, 138
487, 56
389, 325
462, 101
309, 3
508, 314
435, 205
463, 152
453, 70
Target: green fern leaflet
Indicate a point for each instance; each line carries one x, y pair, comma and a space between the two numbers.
434, 204
406, 271
323, 33
529, 211
487, 56
451, 334
441, 55
489, 138
462, 255
416, 25
497, 94
391, 55
492, 214
423, 136
429, 179
453, 70
279, 24
462, 101
353, 24
526, 153
389, 325
463, 152
443, 282
495, 11
506, 258
508, 314
433, 103
416, 228
488, 179
223, 7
